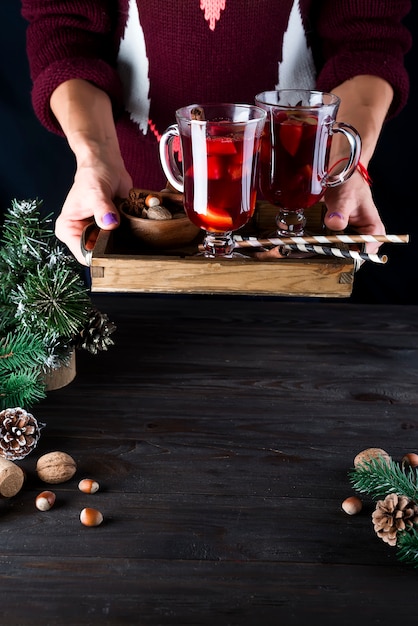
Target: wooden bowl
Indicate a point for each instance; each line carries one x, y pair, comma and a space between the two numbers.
173, 233
158, 233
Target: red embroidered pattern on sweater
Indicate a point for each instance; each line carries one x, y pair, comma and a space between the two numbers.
212, 9
154, 130
176, 140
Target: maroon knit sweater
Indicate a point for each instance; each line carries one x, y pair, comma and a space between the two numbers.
153, 56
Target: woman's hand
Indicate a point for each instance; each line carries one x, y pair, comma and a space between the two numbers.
365, 101
351, 204
95, 186
85, 115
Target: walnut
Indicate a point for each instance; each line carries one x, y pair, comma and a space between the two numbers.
371, 454
56, 467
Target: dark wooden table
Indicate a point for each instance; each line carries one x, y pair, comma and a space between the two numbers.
222, 431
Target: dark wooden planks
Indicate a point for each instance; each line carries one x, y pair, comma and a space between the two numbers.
194, 528
141, 592
222, 431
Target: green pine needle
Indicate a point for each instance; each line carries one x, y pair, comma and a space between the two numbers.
21, 350
44, 303
58, 352
53, 299
379, 477
24, 388
407, 547
26, 236
7, 309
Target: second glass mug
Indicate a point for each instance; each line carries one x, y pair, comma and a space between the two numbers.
295, 151
219, 153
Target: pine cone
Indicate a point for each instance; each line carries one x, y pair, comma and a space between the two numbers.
393, 514
95, 336
19, 433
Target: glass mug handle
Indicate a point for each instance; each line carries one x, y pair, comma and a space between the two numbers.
168, 162
353, 138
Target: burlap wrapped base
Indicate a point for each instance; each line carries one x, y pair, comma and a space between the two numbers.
62, 376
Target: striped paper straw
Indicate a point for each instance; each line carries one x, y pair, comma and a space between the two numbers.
337, 252
322, 239
253, 242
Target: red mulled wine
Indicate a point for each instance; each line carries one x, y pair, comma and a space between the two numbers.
292, 159
220, 188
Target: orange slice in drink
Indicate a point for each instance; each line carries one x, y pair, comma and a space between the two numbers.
216, 220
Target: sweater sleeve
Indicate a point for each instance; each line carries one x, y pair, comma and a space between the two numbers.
364, 37
70, 39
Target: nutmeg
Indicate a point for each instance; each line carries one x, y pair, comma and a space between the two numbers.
158, 212
370, 454
12, 478
56, 467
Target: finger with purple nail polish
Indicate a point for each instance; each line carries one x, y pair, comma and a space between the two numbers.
109, 218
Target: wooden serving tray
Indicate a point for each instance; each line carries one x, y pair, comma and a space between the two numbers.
120, 264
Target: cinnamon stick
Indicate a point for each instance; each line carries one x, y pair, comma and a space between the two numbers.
198, 114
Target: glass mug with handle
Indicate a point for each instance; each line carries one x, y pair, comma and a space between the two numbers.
295, 152
216, 168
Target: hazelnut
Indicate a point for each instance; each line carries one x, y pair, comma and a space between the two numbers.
91, 517
369, 454
88, 485
352, 505
153, 200
56, 467
410, 459
45, 500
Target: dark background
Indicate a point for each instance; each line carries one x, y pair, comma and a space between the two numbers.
37, 164
34, 163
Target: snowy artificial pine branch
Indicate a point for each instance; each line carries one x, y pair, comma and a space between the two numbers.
44, 305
